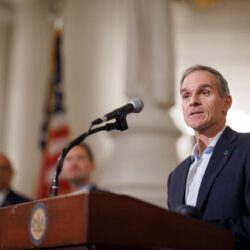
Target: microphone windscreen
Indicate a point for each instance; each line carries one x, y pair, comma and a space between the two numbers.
188, 210
137, 104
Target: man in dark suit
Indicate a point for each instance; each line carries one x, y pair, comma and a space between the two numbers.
7, 195
215, 179
78, 167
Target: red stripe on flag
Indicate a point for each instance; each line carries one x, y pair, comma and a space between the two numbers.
42, 190
59, 132
53, 159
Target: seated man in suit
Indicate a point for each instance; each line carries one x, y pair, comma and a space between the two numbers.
7, 195
78, 167
216, 177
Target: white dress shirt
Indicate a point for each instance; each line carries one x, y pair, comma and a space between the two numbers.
197, 170
84, 189
3, 195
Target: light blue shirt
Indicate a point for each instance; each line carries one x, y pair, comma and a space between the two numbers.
197, 170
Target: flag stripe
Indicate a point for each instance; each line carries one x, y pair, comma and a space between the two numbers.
60, 132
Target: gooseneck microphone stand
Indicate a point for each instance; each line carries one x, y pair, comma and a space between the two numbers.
119, 124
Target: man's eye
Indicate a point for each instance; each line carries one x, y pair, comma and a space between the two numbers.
205, 92
185, 96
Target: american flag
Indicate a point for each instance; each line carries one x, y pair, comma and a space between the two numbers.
55, 130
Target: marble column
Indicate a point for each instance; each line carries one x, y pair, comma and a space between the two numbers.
25, 92
144, 155
5, 31
94, 67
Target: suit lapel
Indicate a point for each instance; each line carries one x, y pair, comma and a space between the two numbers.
220, 155
179, 196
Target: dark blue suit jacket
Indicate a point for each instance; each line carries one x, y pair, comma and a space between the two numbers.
224, 194
14, 198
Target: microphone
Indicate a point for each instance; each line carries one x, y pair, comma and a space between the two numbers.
189, 211
135, 105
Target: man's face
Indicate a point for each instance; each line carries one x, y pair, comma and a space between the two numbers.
203, 107
77, 166
5, 173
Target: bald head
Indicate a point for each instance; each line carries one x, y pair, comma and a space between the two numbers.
6, 172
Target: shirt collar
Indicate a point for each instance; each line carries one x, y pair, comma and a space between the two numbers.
3, 195
209, 148
84, 189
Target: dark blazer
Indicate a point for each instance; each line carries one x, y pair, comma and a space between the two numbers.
224, 194
13, 198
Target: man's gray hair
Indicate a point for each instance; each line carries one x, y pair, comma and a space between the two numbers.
221, 81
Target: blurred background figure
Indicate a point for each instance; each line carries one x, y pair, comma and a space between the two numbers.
7, 195
78, 167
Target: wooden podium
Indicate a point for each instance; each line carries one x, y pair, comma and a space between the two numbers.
102, 220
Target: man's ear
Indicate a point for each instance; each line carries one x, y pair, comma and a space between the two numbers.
227, 103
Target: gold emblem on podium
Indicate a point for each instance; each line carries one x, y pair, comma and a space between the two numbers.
38, 223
